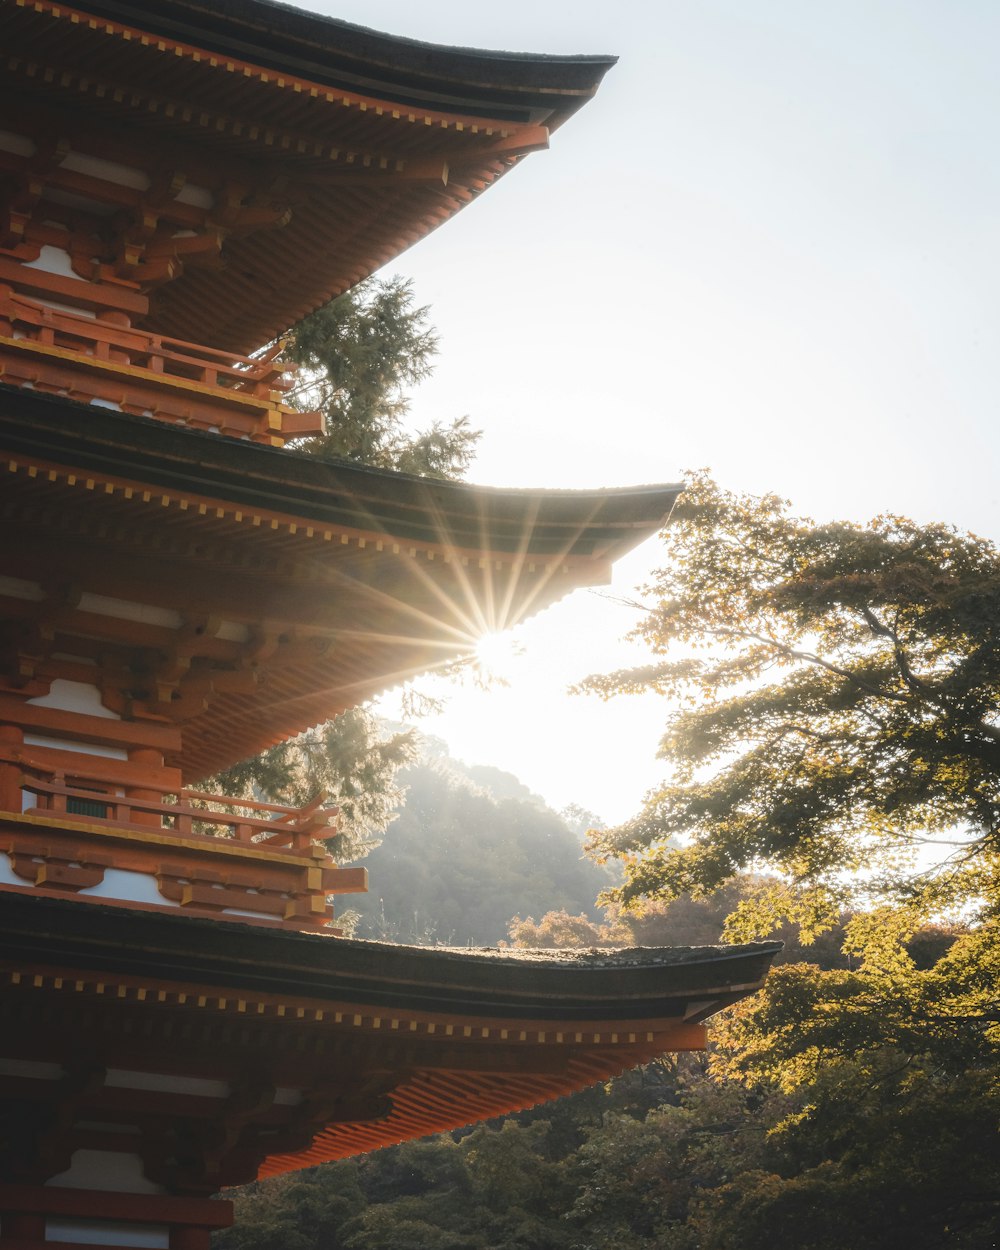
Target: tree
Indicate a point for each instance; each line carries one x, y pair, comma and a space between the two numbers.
688, 921
889, 1078
351, 759
837, 709
358, 355
298, 1211
837, 721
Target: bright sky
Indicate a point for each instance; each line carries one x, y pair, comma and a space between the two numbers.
770, 245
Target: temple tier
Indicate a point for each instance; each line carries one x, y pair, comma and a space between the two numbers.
178, 592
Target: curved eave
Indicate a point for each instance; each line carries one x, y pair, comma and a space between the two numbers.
598, 524
640, 983
511, 86
385, 1043
393, 575
356, 144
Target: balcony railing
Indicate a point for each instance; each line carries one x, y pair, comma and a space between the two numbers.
96, 358
189, 812
206, 853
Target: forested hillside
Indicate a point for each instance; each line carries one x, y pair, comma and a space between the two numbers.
471, 848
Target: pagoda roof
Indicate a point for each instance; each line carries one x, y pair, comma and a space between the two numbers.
236, 166
599, 525
279, 589
546, 984
439, 1038
517, 86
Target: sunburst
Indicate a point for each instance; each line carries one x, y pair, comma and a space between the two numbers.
497, 654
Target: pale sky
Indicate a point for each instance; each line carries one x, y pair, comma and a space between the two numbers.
770, 246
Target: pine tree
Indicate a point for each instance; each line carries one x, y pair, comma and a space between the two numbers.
357, 357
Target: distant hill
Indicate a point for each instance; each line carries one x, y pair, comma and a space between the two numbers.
471, 848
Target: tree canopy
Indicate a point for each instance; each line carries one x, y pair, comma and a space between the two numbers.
835, 722
836, 708
359, 356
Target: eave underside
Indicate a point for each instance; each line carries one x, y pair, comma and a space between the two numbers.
381, 1043
307, 184
263, 621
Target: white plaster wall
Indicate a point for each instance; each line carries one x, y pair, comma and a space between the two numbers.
28, 799
122, 609
82, 748
108, 1171
119, 883
128, 886
19, 588
128, 610
7, 874
31, 1069
124, 886
138, 887
107, 171
75, 696
109, 1233
21, 145
113, 1171
167, 1083
54, 260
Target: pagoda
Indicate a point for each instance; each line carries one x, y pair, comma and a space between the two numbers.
179, 184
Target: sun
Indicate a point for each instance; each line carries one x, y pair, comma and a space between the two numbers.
497, 653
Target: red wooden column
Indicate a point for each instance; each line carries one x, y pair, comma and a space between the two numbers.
11, 740
151, 758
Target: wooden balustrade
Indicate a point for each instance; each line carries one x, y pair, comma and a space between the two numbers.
190, 812
105, 358
207, 854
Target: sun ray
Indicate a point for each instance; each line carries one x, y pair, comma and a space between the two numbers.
458, 602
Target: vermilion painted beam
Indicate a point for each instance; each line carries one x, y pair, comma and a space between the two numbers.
143, 1208
105, 295
81, 727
